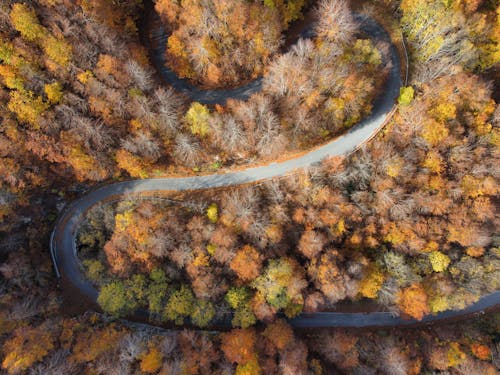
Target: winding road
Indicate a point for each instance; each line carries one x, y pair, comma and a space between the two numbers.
63, 239
155, 38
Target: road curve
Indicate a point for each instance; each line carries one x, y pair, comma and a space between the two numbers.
63, 239
155, 38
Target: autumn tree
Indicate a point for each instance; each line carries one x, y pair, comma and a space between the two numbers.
371, 282
311, 243
197, 118
237, 44
441, 42
239, 299
282, 284
26, 22
27, 346
238, 345
247, 263
413, 301
27, 106
203, 313
335, 21
151, 360
92, 344
280, 334
122, 298
179, 305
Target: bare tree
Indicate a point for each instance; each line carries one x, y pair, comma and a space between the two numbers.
141, 76
131, 347
335, 21
169, 343
229, 134
143, 144
187, 151
56, 364
93, 133
169, 107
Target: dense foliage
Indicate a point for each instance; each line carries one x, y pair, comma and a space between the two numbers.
409, 223
222, 42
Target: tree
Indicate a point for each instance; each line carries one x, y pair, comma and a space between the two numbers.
238, 297
58, 50
280, 334
203, 313
335, 21
250, 368
413, 301
151, 361
247, 263
157, 291
327, 276
94, 269
54, 92
212, 213
481, 351
116, 299
371, 282
197, 118
27, 106
179, 305
281, 284
243, 317
238, 345
186, 151
311, 243
235, 43
26, 22
144, 145
134, 165
239, 300
444, 35
27, 346
406, 95
92, 344
439, 261
141, 76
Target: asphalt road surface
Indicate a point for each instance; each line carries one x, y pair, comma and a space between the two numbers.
63, 242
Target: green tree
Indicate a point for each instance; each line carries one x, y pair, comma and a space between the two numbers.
243, 317
137, 287
274, 282
238, 297
95, 269
180, 305
203, 313
116, 300
157, 291
7, 52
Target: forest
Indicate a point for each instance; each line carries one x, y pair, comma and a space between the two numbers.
408, 213
406, 224
223, 43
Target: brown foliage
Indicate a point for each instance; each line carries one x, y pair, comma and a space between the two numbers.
239, 345
247, 263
